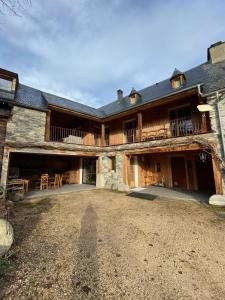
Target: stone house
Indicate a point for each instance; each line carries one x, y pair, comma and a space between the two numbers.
169, 134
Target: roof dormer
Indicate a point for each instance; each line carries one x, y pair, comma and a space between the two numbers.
8, 83
177, 79
134, 97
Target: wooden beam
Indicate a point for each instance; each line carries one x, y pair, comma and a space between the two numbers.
139, 121
217, 176
162, 149
47, 126
157, 102
102, 135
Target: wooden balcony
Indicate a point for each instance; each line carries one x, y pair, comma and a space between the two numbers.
66, 135
171, 129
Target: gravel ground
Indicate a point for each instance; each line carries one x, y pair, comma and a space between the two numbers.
106, 245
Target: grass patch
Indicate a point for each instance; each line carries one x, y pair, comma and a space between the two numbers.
219, 211
6, 264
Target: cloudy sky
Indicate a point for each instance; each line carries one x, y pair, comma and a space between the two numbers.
87, 49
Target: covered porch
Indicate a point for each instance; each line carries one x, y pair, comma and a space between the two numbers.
45, 174
187, 168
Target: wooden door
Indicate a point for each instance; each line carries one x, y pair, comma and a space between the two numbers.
178, 172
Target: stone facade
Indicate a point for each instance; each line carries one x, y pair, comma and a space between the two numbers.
26, 125
214, 121
112, 179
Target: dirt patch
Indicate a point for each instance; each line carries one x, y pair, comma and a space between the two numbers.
104, 245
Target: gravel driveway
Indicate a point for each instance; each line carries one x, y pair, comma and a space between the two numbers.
106, 245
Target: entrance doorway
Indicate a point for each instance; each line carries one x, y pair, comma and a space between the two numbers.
178, 172
205, 175
89, 171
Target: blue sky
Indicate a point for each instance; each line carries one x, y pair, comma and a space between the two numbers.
87, 49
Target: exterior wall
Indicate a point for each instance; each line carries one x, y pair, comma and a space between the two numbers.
3, 123
111, 179
26, 125
214, 120
26, 133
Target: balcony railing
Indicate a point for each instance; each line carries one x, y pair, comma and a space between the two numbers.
175, 128
66, 135
184, 126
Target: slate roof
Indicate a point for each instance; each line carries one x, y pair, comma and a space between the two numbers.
211, 76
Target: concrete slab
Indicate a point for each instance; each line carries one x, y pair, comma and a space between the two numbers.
66, 188
153, 192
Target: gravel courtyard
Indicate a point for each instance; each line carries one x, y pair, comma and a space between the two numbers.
105, 245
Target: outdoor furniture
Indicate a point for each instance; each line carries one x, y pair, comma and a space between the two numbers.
55, 182
44, 182
26, 184
15, 189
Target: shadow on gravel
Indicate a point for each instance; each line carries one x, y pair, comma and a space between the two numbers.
145, 196
24, 218
86, 272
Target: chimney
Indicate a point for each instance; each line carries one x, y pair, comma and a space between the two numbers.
216, 52
119, 95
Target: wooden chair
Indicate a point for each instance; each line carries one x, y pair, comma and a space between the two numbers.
60, 179
52, 182
44, 182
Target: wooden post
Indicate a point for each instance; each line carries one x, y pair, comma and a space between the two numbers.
217, 176
47, 126
103, 135
139, 117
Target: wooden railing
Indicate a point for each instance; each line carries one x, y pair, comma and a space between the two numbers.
175, 128
184, 126
66, 135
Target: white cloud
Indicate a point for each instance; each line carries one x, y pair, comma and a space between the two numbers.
90, 48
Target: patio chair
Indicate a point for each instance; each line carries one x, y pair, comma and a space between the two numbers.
44, 182
53, 182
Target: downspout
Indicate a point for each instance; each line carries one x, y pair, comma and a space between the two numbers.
220, 123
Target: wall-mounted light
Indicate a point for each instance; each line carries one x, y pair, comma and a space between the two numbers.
203, 157
204, 107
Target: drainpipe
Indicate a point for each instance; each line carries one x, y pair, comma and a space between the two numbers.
220, 122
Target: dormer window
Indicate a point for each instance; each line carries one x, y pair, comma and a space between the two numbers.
8, 81
5, 84
134, 97
177, 79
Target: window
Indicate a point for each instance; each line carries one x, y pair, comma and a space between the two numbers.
132, 99
5, 85
176, 83
107, 136
158, 167
181, 121
130, 131
112, 163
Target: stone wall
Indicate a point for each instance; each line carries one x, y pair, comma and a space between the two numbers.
3, 123
214, 120
26, 125
110, 179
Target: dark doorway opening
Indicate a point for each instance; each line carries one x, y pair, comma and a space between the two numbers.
89, 171
179, 172
205, 175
